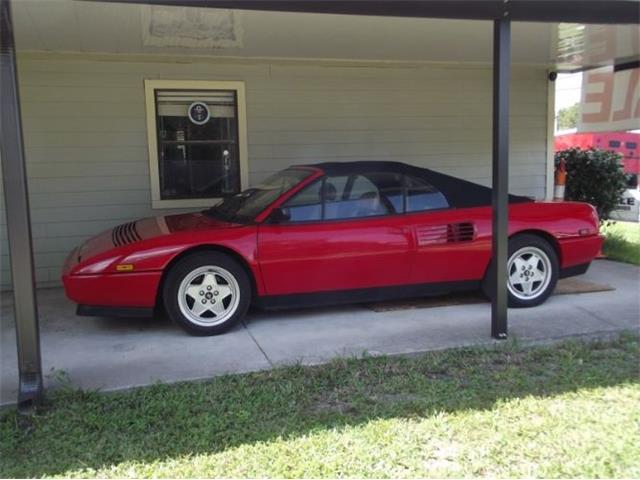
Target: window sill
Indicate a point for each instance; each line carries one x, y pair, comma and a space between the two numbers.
185, 203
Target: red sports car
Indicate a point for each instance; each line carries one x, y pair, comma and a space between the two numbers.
325, 234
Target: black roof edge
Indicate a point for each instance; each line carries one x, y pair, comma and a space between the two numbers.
572, 11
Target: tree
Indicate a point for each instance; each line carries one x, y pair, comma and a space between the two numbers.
594, 176
568, 117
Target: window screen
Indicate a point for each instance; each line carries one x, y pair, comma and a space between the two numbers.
197, 133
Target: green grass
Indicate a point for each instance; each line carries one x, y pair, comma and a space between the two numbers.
566, 410
622, 242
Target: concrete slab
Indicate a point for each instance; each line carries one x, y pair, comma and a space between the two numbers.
116, 353
103, 353
315, 336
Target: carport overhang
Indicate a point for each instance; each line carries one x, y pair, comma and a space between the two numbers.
501, 13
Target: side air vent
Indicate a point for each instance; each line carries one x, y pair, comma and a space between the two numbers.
125, 234
441, 234
460, 232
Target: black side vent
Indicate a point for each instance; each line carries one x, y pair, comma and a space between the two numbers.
460, 232
125, 234
445, 233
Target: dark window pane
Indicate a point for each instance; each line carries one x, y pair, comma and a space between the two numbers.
614, 143
422, 196
197, 171
631, 145
197, 160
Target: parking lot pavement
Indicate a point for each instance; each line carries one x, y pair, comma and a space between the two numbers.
107, 354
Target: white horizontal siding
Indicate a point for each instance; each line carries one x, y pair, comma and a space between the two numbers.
85, 134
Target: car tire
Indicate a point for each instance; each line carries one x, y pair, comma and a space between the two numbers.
532, 270
207, 293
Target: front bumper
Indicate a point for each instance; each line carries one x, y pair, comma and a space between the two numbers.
135, 289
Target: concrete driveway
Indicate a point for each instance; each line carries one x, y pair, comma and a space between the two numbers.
102, 353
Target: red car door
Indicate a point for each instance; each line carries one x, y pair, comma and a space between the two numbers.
342, 234
450, 244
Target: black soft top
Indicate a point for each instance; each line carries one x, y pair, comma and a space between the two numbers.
459, 193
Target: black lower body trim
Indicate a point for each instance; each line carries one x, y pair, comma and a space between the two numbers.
365, 295
574, 270
100, 311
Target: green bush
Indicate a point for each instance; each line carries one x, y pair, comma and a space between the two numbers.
594, 176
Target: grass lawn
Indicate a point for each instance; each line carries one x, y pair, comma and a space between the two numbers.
567, 410
622, 242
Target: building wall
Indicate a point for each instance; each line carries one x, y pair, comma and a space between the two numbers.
86, 143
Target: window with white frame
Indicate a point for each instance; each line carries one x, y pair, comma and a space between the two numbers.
197, 141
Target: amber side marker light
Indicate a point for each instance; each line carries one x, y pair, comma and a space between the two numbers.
125, 267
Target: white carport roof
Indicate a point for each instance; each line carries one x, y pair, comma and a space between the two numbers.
104, 27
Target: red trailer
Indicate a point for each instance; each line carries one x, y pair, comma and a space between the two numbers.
625, 143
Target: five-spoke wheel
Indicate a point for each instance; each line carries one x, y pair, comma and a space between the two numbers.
532, 271
207, 293
529, 271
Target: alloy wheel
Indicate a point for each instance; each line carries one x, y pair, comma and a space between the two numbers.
208, 296
529, 271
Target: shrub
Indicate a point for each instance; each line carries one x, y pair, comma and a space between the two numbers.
594, 176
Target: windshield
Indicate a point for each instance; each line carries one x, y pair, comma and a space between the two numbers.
246, 205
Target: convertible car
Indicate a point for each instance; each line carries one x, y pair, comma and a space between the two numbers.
325, 234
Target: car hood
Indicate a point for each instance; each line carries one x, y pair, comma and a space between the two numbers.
147, 228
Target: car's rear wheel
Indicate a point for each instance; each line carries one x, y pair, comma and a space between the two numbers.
532, 271
207, 293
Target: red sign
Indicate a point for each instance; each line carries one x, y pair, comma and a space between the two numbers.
610, 101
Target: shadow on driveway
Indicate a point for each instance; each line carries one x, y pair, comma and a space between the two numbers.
77, 430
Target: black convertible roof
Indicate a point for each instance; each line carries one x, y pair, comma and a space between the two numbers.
459, 193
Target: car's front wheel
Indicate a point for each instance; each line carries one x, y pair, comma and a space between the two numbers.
207, 293
532, 271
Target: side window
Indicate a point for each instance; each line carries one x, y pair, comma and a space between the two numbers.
357, 196
422, 196
361, 198
335, 188
306, 205
391, 188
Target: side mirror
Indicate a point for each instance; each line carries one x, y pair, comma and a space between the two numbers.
280, 215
